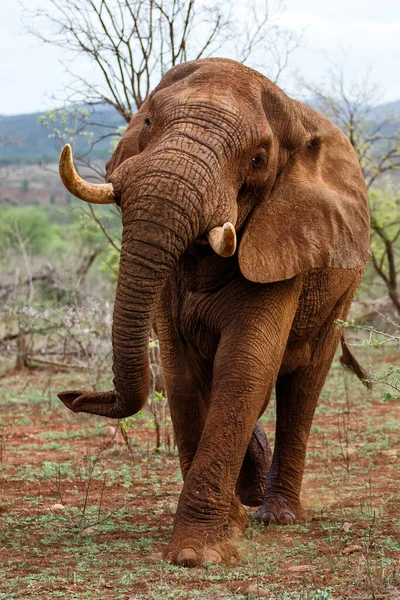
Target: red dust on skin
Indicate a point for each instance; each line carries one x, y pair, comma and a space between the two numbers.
218, 148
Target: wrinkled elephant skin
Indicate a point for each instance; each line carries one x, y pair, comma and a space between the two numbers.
245, 236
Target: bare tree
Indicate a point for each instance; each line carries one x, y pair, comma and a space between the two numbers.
261, 41
131, 43
375, 136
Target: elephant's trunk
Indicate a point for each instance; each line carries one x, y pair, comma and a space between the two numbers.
161, 218
150, 250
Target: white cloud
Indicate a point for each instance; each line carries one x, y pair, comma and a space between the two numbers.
370, 40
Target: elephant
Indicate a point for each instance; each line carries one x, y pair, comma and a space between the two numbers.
245, 236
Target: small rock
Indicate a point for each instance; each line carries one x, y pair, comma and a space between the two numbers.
301, 568
89, 530
351, 549
57, 507
114, 434
255, 590
346, 527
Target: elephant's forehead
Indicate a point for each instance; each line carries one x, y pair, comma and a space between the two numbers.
227, 74
221, 80
204, 98
210, 107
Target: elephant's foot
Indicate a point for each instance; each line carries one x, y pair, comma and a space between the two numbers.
257, 461
238, 521
188, 551
279, 510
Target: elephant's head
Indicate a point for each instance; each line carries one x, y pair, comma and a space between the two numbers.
218, 149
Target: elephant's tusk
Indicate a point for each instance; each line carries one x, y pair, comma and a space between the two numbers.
223, 240
102, 193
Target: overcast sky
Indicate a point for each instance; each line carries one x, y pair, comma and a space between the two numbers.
367, 31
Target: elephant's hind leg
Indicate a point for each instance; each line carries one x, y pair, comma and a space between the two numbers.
253, 473
296, 399
297, 395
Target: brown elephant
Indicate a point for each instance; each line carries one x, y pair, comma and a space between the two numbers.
218, 153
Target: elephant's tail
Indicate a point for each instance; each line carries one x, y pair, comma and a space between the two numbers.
349, 363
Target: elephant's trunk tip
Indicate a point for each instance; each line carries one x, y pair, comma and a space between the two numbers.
106, 404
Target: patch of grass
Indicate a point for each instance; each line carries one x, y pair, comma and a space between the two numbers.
120, 503
73, 434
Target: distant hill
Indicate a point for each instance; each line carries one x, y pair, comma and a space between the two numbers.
388, 112
391, 112
27, 142
390, 107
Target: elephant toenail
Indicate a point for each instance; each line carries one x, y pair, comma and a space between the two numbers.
187, 557
212, 556
265, 517
236, 532
287, 518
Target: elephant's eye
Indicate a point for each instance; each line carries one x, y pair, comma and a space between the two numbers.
258, 160
147, 122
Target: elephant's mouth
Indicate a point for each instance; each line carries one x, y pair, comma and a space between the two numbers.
202, 240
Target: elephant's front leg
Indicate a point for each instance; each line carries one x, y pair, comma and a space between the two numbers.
243, 377
188, 380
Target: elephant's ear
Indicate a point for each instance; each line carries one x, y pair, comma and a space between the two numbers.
317, 212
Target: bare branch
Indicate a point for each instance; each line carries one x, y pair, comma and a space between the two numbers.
103, 229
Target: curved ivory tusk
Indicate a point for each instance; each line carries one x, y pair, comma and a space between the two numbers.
102, 193
223, 240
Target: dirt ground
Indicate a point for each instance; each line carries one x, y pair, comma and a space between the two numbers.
84, 514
